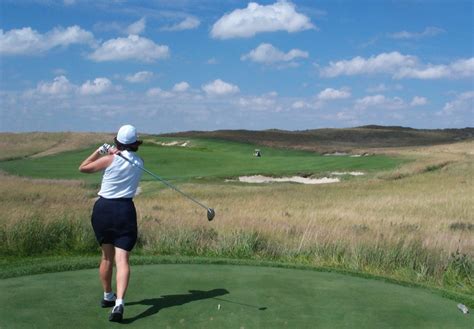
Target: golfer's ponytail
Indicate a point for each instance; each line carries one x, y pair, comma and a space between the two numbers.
127, 147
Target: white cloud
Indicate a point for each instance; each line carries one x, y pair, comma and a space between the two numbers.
212, 61
299, 105
189, 23
245, 23
181, 87
333, 94
462, 103
463, 68
259, 103
27, 41
131, 48
430, 31
62, 87
96, 87
69, 2
59, 86
142, 76
419, 101
158, 92
59, 71
268, 54
399, 66
383, 87
380, 102
220, 88
137, 28
382, 63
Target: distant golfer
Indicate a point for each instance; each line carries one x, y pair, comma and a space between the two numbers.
114, 218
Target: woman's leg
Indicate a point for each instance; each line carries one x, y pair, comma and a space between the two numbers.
123, 271
106, 266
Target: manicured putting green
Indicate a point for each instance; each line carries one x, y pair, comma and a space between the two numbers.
188, 296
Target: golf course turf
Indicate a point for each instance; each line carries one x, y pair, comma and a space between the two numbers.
213, 160
189, 295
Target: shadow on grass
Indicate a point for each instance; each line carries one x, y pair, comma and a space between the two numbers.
157, 304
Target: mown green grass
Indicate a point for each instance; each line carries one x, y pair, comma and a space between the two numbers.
205, 159
250, 297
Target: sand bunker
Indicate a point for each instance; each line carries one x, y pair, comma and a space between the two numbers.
175, 143
351, 173
259, 179
295, 179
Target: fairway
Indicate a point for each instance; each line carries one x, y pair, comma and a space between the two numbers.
208, 159
187, 296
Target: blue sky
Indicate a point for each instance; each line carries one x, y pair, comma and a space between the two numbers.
180, 65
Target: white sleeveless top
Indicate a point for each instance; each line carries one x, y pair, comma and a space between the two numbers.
120, 178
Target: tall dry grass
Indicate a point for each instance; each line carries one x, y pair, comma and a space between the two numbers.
38, 144
414, 223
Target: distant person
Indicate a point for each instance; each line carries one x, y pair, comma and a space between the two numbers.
114, 218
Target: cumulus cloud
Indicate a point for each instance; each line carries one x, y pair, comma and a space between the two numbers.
181, 87
96, 87
379, 101
382, 63
59, 86
245, 23
259, 103
399, 66
27, 41
463, 68
138, 27
333, 94
133, 47
430, 31
212, 61
382, 87
158, 92
142, 76
267, 54
463, 102
297, 105
220, 88
418, 101
189, 23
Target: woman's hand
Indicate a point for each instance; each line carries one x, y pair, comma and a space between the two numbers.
104, 149
95, 162
113, 150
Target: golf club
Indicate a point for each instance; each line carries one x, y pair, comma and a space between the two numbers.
210, 212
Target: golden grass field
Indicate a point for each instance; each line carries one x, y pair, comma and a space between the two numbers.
422, 212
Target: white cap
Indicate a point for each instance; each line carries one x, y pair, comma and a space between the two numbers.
127, 134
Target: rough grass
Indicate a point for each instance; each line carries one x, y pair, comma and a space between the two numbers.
38, 144
413, 227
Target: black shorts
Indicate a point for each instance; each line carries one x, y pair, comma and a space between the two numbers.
115, 222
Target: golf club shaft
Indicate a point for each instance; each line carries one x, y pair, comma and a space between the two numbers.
163, 181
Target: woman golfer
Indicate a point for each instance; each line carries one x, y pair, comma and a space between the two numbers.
114, 217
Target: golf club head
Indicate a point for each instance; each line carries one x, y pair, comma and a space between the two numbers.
210, 214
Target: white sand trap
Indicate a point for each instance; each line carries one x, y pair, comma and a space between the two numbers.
351, 173
337, 154
175, 143
258, 179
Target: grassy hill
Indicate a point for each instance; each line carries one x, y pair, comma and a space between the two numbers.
330, 140
202, 158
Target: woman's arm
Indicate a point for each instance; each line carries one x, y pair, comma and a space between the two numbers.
96, 163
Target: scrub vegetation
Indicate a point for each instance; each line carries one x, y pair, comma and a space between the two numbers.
409, 219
